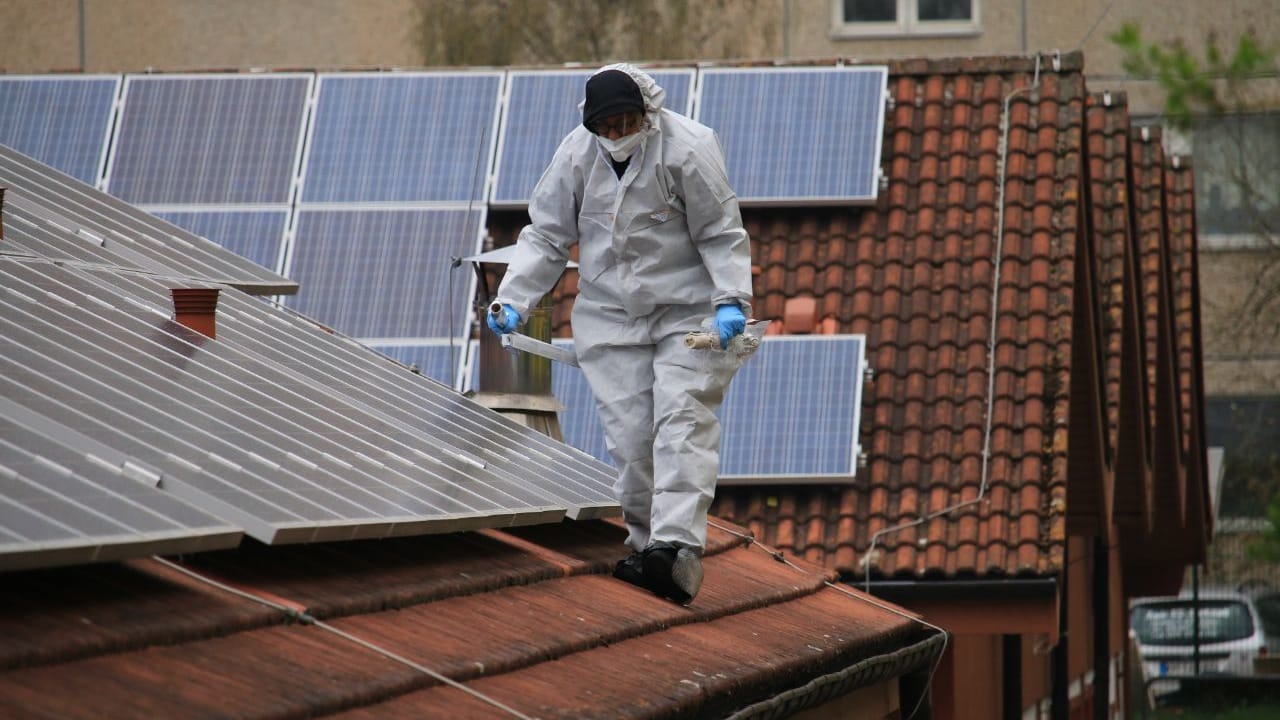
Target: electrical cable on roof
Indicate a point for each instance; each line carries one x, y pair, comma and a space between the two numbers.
867, 559
866, 598
308, 619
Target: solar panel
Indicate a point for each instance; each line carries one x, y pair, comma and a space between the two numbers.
254, 235
436, 360
402, 137
791, 413
797, 135
49, 214
64, 500
61, 120
542, 107
208, 139
376, 274
287, 431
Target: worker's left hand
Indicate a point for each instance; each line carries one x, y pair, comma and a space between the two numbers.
730, 322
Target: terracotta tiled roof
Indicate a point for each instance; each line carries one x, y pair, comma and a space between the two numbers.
1108, 149
1184, 253
915, 274
527, 617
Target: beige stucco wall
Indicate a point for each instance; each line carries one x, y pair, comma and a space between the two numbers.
1050, 25
131, 35
1240, 355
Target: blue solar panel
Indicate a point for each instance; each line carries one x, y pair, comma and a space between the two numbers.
385, 273
60, 121
185, 139
791, 412
437, 361
401, 137
797, 134
255, 235
542, 108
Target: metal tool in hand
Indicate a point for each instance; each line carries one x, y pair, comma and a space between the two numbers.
520, 341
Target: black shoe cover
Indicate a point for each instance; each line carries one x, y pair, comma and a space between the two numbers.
631, 569
673, 573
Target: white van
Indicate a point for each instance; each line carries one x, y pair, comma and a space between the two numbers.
1231, 635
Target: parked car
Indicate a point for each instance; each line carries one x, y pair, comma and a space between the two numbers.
1231, 634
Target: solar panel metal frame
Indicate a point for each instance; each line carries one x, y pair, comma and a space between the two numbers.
483, 173
298, 149
293, 349
106, 467
512, 78
74, 208
108, 127
464, 320
793, 201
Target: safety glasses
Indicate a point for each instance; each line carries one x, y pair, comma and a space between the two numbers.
621, 125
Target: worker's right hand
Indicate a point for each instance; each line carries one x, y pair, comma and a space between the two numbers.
505, 321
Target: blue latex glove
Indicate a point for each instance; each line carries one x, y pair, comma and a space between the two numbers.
504, 322
730, 322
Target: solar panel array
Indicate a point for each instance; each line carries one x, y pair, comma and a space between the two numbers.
791, 414
393, 187
797, 135
541, 108
61, 120
276, 166
123, 433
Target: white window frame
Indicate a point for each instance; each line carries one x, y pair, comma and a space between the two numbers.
907, 25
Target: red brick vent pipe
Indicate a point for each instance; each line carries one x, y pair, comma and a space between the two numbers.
196, 308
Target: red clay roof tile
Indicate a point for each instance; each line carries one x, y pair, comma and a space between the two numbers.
521, 617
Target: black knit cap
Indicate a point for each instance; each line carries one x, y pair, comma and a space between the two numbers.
609, 93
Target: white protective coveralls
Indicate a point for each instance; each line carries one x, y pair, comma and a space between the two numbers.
659, 249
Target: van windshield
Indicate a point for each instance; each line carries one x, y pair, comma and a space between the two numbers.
1172, 623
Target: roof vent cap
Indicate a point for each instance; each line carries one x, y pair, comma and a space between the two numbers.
196, 308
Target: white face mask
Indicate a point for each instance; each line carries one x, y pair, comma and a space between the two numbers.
623, 147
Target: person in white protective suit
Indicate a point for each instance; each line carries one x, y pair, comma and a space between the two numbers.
644, 193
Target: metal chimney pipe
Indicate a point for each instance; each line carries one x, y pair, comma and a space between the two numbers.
520, 373
2, 189
196, 308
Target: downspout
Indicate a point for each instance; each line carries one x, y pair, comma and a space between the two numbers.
1011, 670
786, 28
83, 67
1101, 630
1060, 674
1023, 22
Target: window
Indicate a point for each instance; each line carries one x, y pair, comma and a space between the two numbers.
870, 18
1248, 429
1237, 178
